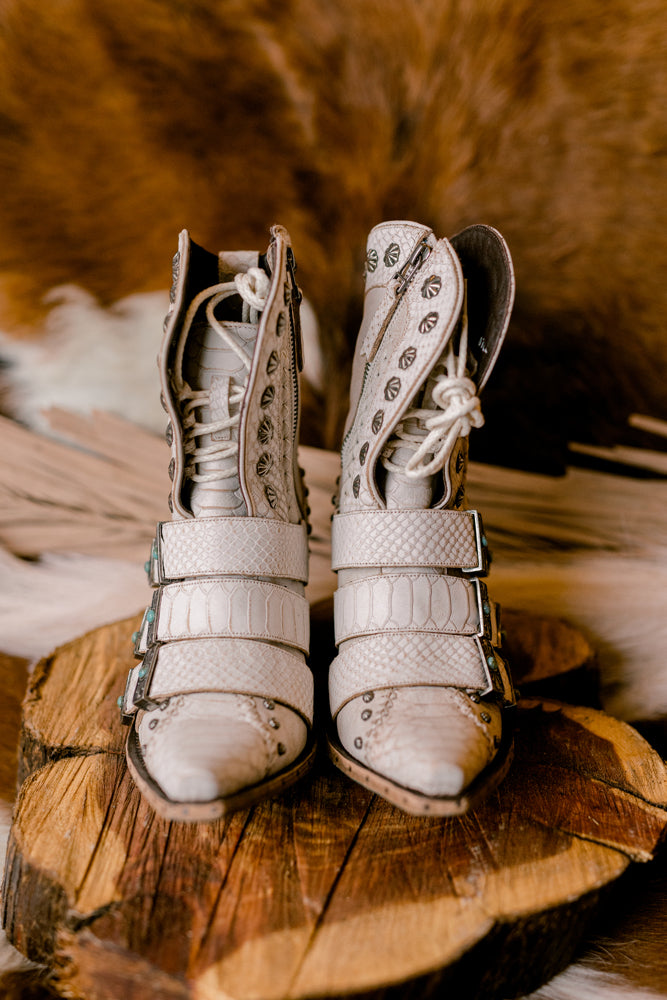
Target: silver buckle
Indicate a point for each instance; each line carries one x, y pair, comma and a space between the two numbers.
145, 676
497, 674
481, 545
146, 636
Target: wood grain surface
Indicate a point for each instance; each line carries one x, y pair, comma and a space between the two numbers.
327, 890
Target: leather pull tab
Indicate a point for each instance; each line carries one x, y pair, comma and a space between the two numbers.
487, 268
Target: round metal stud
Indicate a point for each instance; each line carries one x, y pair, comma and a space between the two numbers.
428, 322
169, 434
267, 397
371, 260
407, 357
150, 616
265, 431
119, 701
376, 425
274, 724
143, 671
486, 608
273, 362
147, 566
264, 463
366, 714
431, 286
368, 696
134, 637
474, 697
485, 717
391, 255
358, 742
270, 705
392, 388
356, 486
363, 452
152, 724
491, 660
282, 749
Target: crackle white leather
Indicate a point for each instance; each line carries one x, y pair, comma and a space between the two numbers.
251, 609
222, 698
253, 546
395, 660
400, 602
232, 665
441, 538
411, 687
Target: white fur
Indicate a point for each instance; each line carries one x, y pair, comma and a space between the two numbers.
87, 357
581, 983
46, 603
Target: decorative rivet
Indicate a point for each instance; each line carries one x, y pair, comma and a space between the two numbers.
484, 541
170, 503
169, 434
271, 495
152, 724
485, 717
150, 616
267, 396
273, 362
268, 705
154, 551
147, 566
486, 608
491, 660
377, 422
474, 697
265, 431
392, 388
274, 724
428, 322
287, 293
460, 461
431, 286
143, 671
163, 402
356, 486
281, 748
281, 322
163, 704
407, 357
368, 696
172, 466
372, 259
134, 637
358, 742
391, 255
264, 463
363, 452
119, 701
460, 496
366, 714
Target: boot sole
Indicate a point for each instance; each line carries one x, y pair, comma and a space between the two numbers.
200, 812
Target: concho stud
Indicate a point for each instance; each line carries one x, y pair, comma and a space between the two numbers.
372, 259
407, 357
391, 255
267, 397
392, 388
432, 286
428, 322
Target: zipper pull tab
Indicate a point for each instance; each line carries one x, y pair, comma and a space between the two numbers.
417, 258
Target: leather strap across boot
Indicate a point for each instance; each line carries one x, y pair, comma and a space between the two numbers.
419, 688
221, 703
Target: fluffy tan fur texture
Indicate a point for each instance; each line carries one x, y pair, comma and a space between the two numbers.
122, 122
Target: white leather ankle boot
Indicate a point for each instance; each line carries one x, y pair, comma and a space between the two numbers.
221, 703
419, 687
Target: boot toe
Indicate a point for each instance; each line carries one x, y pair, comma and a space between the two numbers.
431, 740
208, 746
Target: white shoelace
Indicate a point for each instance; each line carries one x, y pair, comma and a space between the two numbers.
253, 287
456, 409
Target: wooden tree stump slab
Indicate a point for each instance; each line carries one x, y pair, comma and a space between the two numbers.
327, 890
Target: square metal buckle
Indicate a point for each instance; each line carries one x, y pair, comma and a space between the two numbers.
481, 545
147, 632
499, 680
145, 676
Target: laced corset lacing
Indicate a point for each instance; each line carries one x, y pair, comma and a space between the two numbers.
253, 287
431, 433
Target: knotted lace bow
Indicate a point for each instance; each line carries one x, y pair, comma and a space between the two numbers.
456, 408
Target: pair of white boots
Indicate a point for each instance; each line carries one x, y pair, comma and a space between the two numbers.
220, 703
